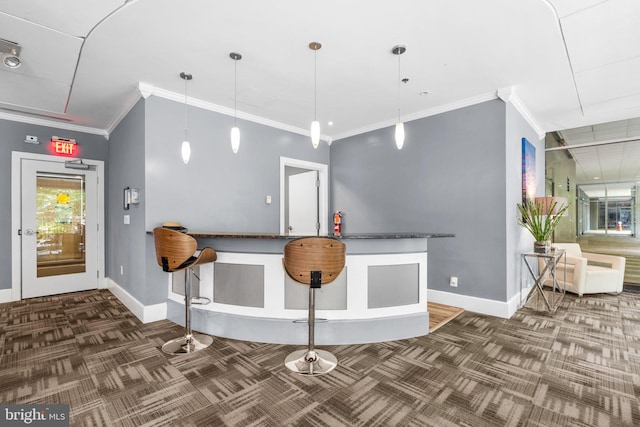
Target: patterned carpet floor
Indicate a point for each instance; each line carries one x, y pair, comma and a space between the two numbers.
577, 367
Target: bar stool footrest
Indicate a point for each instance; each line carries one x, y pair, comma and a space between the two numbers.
305, 320
200, 301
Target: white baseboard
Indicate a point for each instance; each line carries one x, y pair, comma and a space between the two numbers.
146, 313
478, 305
5, 295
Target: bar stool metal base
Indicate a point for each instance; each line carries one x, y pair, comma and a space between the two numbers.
183, 345
312, 363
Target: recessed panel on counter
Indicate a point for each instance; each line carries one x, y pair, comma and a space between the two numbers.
332, 296
239, 284
393, 285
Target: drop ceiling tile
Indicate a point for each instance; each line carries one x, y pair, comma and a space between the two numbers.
72, 17
607, 134
568, 7
634, 129
627, 106
577, 131
618, 124
611, 82
603, 34
36, 94
632, 148
615, 149
46, 54
584, 139
582, 156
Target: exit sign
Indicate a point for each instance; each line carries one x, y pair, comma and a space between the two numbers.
63, 147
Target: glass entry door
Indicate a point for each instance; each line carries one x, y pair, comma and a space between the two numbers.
59, 229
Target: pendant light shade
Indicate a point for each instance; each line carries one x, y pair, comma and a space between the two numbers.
235, 131
315, 133
315, 124
235, 139
185, 149
399, 133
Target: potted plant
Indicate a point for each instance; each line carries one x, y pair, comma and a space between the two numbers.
541, 218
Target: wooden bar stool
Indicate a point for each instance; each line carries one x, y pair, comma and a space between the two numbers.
175, 251
313, 261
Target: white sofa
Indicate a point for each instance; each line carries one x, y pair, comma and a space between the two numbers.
589, 273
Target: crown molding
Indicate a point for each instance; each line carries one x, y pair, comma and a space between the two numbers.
420, 114
194, 102
131, 102
52, 123
509, 95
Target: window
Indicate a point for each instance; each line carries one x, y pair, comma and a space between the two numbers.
607, 209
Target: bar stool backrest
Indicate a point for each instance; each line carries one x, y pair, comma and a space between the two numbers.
307, 254
175, 247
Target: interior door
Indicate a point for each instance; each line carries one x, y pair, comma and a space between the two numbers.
59, 222
303, 203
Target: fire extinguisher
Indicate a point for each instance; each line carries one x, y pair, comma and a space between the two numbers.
337, 223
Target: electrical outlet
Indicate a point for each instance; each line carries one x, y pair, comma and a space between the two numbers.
453, 281
122, 270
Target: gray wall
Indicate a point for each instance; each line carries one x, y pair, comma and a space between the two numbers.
451, 177
216, 191
126, 244
12, 135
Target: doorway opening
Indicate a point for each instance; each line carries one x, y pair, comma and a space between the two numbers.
607, 209
304, 197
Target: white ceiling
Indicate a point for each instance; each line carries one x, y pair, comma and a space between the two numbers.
568, 63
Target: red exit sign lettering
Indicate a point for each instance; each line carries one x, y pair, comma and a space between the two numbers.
63, 147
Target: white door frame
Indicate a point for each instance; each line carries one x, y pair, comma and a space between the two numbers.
16, 253
323, 202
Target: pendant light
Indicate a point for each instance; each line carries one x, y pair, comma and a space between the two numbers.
235, 131
315, 125
399, 133
186, 146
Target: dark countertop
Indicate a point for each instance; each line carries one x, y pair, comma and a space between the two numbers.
354, 236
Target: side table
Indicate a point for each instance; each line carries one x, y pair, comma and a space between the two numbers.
542, 267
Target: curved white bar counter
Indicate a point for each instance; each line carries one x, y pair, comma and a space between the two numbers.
381, 295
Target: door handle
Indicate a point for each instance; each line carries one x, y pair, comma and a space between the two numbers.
290, 228
28, 232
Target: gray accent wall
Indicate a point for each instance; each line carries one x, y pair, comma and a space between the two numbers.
216, 191
12, 136
457, 173
126, 243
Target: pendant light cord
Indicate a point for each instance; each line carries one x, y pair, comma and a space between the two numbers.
186, 122
399, 81
235, 92
315, 85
